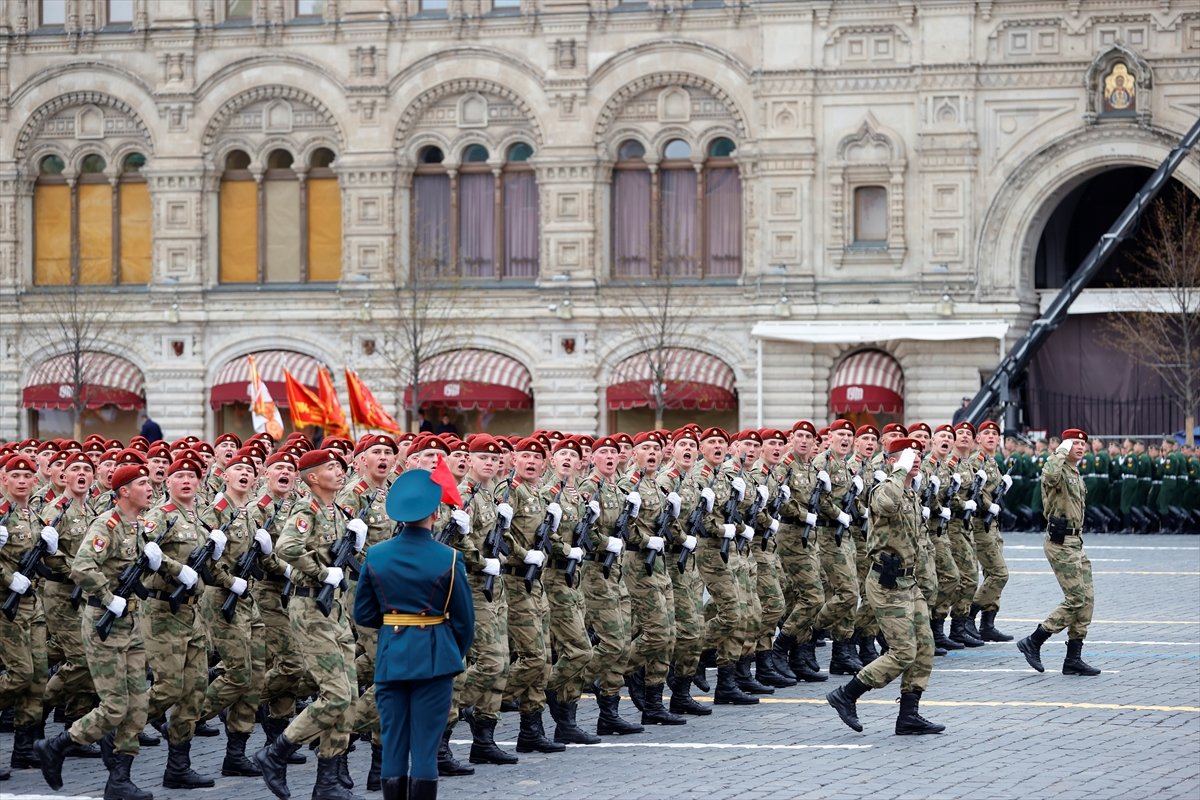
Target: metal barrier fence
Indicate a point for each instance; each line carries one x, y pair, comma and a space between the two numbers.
1146, 417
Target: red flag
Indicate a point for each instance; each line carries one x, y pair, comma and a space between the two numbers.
335, 418
303, 404
365, 409
443, 477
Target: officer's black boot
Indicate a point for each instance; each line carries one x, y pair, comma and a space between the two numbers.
728, 692
765, 672
483, 743
51, 753
236, 763
1031, 647
960, 634
447, 764
395, 788
273, 761
421, 789
1074, 663
971, 628
532, 736
636, 683
75, 750
988, 630
843, 660
866, 647
23, 754
568, 731
909, 722
681, 698
554, 707
781, 656
120, 786
844, 700
179, 773
654, 713
328, 786
274, 727
373, 782
939, 635
610, 722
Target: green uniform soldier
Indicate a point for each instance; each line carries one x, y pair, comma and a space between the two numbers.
942, 465
989, 544
771, 478
744, 450
962, 544
1064, 503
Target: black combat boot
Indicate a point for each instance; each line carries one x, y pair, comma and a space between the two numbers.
654, 713
328, 786
120, 786
179, 773
483, 743
274, 727
532, 736
107, 753
799, 659
635, 682
728, 692
843, 660
844, 700
204, 730
681, 698
23, 754
866, 647
937, 651
374, 784
1031, 647
395, 788
909, 721
700, 679
568, 731
422, 789
960, 634
447, 764
343, 765
937, 624
1074, 663
746, 680
51, 753
273, 761
146, 739
970, 622
236, 763
610, 722
781, 656
988, 630
765, 672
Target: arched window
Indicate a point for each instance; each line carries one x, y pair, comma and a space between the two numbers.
631, 215
324, 205
722, 211
238, 221
92, 229
477, 222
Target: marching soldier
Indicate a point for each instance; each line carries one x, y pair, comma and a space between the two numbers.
989, 545
770, 475
942, 465
962, 546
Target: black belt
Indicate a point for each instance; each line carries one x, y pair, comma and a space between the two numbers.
277, 579
305, 592
189, 599
130, 604
904, 573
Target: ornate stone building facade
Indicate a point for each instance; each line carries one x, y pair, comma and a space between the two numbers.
846, 199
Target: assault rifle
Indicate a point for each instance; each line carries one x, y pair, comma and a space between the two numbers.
247, 565
848, 508
662, 528
774, 506
695, 525
814, 508
621, 530
447, 531
951, 490
343, 558
730, 510
494, 544
198, 560
129, 581
30, 563
1000, 492
751, 516
541, 541
976, 489
581, 540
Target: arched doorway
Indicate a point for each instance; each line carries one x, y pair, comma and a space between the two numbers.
868, 388
474, 391
230, 393
680, 384
75, 394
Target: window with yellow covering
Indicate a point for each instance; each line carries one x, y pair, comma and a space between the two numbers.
92, 230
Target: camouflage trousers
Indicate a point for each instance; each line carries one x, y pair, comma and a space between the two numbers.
989, 551
904, 621
962, 549
608, 614
23, 645
947, 575
71, 686
1073, 570
177, 654
568, 636
769, 592
366, 642
841, 585
927, 574
482, 684
652, 604
864, 618
687, 593
527, 640
726, 611
326, 645
802, 590
243, 648
118, 667
285, 680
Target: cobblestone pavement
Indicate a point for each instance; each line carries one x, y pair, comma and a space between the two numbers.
1133, 732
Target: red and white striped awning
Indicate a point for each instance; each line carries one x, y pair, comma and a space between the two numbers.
103, 380
469, 379
691, 380
233, 381
869, 380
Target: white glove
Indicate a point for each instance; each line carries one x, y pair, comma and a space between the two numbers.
689, 542
709, 497
858, 482
823, 477
3, 536
635, 503
615, 544
506, 512
264, 541
656, 543
945, 513
935, 483
969, 505
594, 507
1007, 481
50, 537
917, 481
747, 532
359, 529
1064, 447
981, 474
729, 531
461, 520
19, 583
287, 572
491, 566
739, 486
218, 539
535, 557
188, 576
905, 461
153, 555
675, 502
117, 605
993, 509
774, 526
843, 519
786, 491
880, 477
925, 513
333, 576
810, 519
239, 586
575, 554
555, 512
763, 495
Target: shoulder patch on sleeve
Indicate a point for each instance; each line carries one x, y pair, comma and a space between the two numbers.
99, 543
150, 526
5, 507
302, 523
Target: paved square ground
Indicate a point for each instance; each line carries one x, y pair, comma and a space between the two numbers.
1133, 732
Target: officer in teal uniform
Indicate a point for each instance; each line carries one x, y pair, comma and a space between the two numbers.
415, 591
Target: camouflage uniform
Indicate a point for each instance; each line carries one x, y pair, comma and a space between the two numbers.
962, 545
566, 631
607, 601
1062, 496
801, 560
527, 610
23, 639
864, 617
686, 589
726, 626
989, 544
944, 563
651, 597
71, 685
837, 558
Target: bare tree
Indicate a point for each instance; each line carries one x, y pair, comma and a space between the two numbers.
661, 318
1166, 336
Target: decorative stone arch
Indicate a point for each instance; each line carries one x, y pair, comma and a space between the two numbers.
527, 353
620, 135
266, 147
274, 58
482, 86
240, 348
719, 132
515, 137
1017, 216
677, 47
609, 112
131, 126
79, 152
407, 155
220, 120
1094, 81
40, 151
313, 145
659, 140
460, 143
609, 358
485, 57
227, 146
869, 155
